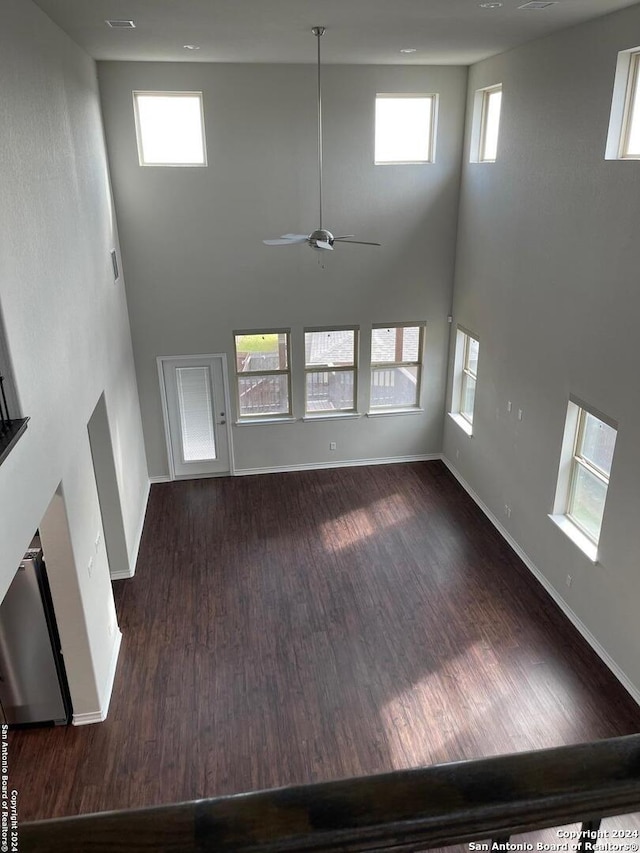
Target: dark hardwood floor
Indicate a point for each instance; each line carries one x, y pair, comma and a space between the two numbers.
300, 627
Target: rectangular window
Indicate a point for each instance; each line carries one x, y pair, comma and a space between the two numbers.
465, 376
170, 128
331, 358
396, 366
405, 129
583, 477
490, 124
263, 374
630, 148
590, 471
485, 124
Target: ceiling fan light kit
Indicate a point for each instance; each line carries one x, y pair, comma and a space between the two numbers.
320, 238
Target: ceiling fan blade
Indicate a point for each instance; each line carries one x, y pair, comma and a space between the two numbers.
320, 244
295, 238
344, 237
360, 242
282, 242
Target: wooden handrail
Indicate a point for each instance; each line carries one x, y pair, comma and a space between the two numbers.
406, 810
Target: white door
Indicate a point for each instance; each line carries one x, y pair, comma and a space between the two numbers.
196, 415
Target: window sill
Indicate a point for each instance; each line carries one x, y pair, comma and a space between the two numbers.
9, 439
464, 424
383, 413
327, 416
588, 548
246, 422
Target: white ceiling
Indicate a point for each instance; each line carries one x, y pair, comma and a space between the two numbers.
450, 32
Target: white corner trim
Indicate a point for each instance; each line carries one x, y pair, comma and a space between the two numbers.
133, 552
551, 590
350, 463
101, 715
161, 478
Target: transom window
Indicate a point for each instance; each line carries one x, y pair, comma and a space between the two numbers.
263, 376
396, 365
405, 129
490, 124
170, 128
630, 143
590, 470
330, 370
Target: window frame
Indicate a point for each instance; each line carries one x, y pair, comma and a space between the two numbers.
484, 115
388, 365
262, 416
460, 361
632, 85
326, 368
138, 125
431, 149
578, 462
468, 373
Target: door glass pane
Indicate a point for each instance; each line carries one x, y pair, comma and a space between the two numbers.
196, 413
263, 395
587, 501
394, 387
330, 391
598, 442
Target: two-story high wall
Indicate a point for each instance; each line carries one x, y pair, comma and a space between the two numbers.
192, 237
67, 332
547, 277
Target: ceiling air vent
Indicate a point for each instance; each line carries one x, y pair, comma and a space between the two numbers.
121, 25
538, 4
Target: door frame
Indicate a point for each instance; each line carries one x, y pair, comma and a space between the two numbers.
165, 409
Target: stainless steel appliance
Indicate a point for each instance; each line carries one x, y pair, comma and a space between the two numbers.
33, 682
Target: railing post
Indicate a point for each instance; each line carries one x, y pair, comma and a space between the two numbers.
5, 420
588, 836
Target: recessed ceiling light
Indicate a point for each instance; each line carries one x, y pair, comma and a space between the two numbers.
490, 5
121, 25
191, 47
408, 50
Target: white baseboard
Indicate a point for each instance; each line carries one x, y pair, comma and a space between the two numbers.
161, 478
551, 590
350, 463
101, 715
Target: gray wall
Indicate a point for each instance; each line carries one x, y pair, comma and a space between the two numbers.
547, 278
67, 334
196, 267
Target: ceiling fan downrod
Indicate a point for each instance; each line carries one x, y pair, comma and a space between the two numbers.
318, 32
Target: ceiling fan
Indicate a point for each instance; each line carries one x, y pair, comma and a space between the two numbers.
320, 238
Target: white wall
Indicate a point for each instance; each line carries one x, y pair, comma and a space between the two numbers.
192, 238
67, 329
547, 278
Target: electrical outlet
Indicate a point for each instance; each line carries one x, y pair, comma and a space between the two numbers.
569, 581
332, 445
509, 406
519, 414
507, 510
